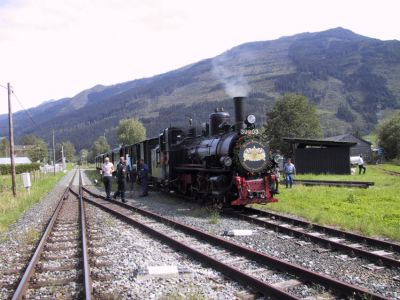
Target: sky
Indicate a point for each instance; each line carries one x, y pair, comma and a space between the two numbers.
52, 49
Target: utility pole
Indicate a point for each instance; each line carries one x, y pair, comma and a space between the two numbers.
11, 131
54, 156
62, 156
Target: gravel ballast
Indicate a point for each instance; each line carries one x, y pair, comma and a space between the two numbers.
124, 251
17, 244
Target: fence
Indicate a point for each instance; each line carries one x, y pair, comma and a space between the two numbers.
46, 171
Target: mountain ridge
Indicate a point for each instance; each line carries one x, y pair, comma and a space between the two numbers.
353, 80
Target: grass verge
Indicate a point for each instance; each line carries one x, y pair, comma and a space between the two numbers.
11, 208
373, 212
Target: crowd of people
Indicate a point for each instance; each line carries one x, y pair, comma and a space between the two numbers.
125, 173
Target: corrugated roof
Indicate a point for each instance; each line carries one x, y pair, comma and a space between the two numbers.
318, 142
343, 137
17, 160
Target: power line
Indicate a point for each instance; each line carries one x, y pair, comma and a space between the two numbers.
26, 111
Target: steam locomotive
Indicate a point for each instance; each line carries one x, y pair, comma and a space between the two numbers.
227, 164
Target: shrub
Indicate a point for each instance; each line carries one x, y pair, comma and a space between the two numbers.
22, 168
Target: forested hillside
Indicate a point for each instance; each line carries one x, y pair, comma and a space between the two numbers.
353, 80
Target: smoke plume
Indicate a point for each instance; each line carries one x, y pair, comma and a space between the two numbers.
234, 83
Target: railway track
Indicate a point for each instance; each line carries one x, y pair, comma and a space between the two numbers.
59, 267
391, 172
266, 274
377, 251
337, 183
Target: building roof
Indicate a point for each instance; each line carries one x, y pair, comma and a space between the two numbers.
317, 142
17, 160
346, 137
23, 147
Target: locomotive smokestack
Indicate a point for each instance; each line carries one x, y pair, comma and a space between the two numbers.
238, 103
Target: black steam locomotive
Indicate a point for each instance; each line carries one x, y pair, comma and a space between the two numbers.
227, 164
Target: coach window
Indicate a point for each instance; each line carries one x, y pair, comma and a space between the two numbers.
158, 157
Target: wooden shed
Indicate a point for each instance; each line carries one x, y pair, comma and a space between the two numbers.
362, 146
320, 156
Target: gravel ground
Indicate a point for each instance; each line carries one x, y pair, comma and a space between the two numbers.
16, 244
311, 256
123, 251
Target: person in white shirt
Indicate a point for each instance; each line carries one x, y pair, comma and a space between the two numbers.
106, 170
361, 165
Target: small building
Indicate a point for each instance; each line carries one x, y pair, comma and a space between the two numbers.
362, 146
320, 156
17, 160
22, 150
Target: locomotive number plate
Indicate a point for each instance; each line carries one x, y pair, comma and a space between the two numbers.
249, 131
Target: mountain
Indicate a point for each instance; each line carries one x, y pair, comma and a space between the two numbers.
353, 80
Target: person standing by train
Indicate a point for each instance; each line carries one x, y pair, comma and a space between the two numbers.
106, 170
361, 165
143, 172
290, 171
121, 179
275, 170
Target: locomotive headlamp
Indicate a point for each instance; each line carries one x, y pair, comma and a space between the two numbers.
277, 158
226, 161
250, 119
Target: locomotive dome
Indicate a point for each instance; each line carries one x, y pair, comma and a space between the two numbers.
217, 118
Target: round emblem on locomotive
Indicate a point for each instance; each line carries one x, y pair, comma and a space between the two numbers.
253, 156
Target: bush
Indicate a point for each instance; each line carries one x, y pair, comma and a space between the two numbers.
389, 136
22, 168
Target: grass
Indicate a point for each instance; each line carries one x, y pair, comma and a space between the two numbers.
373, 212
31, 236
11, 208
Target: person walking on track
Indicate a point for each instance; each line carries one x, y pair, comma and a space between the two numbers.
121, 179
106, 170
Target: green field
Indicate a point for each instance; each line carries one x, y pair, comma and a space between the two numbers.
374, 211
12, 208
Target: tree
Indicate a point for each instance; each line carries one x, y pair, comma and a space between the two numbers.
130, 131
4, 148
38, 150
344, 113
100, 146
292, 116
389, 136
83, 156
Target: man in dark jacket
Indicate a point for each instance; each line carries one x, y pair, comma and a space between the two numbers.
121, 172
143, 172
